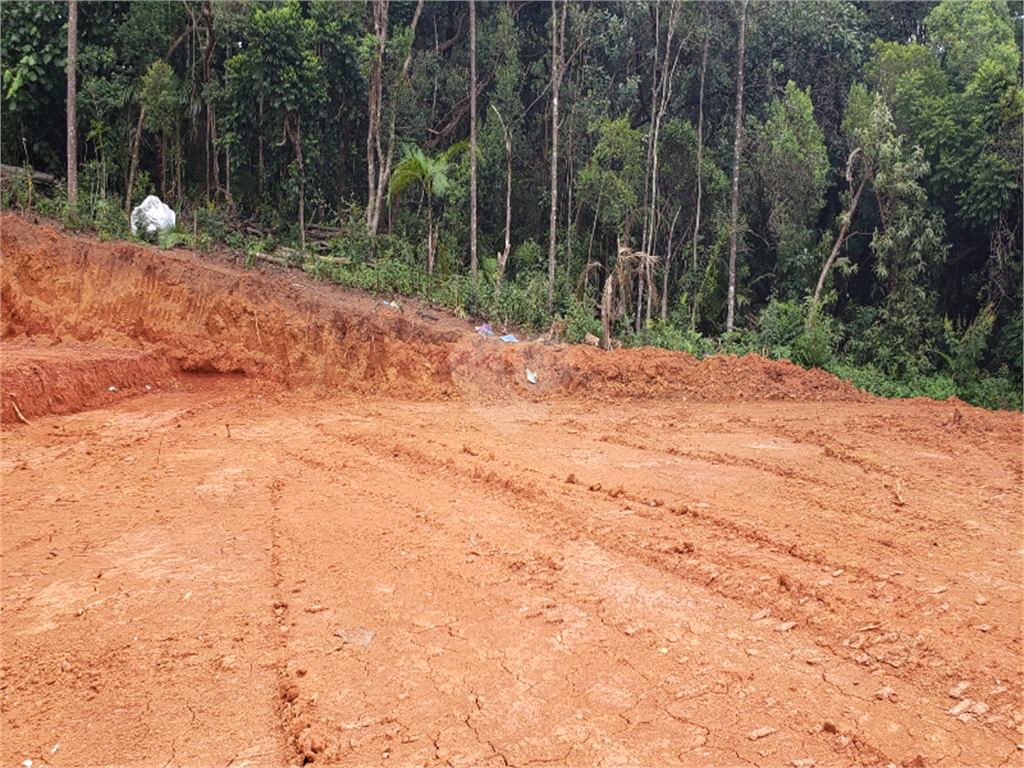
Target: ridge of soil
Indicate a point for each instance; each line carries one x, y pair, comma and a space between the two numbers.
356, 536
198, 316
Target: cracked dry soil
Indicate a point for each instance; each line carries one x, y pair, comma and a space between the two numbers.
305, 528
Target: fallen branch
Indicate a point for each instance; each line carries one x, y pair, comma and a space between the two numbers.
16, 409
279, 261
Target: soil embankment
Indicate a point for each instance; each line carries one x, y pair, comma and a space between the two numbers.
125, 315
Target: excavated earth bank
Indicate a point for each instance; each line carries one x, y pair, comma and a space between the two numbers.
250, 519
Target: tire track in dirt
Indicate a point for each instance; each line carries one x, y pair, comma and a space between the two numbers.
138, 603
383, 446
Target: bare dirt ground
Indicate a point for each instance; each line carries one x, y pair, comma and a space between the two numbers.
254, 520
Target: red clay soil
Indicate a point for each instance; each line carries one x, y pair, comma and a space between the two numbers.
250, 519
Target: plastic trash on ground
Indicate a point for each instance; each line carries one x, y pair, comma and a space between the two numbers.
509, 339
531, 376
151, 215
485, 330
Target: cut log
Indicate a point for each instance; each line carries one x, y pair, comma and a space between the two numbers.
7, 171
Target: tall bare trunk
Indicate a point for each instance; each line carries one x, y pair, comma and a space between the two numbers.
847, 220
295, 136
734, 230
373, 148
700, 167
568, 213
503, 256
378, 159
211, 114
472, 138
668, 265
133, 150
557, 70
430, 237
661, 94
700, 147
163, 164
342, 190
72, 139
259, 143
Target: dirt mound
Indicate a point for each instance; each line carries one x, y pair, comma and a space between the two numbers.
481, 369
180, 315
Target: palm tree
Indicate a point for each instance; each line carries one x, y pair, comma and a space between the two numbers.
430, 173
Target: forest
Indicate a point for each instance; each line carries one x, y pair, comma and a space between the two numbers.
835, 182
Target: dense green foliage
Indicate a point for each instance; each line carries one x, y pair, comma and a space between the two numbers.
252, 120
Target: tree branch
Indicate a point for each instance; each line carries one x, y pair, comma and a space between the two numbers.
459, 111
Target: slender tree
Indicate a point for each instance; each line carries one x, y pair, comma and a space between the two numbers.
661, 94
72, 142
737, 146
847, 219
700, 140
374, 154
503, 255
378, 158
700, 160
472, 138
557, 72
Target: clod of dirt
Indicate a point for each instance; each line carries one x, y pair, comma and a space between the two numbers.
960, 708
957, 691
760, 733
888, 693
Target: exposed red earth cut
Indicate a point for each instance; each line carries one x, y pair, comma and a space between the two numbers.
252, 519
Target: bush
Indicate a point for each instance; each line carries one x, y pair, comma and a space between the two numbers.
579, 320
815, 346
667, 335
877, 382
110, 221
780, 324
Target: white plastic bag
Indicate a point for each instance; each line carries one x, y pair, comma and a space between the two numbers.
152, 215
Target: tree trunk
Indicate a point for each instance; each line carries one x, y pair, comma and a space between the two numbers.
472, 139
342, 190
847, 220
163, 165
662, 94
734, 226
430, 237
568, 213
72, 138
295, 135
379, 161
375, 94
503, 256
668, 265
211, 114
700, 146
557, 70
133, 150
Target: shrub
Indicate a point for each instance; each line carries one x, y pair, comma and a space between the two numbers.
579, 320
